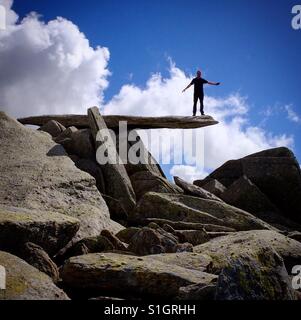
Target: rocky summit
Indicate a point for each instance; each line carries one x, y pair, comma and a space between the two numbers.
72, 228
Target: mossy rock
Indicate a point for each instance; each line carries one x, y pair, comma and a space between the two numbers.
24, 282
51, 231
241, 243
184, 208
257, 276
108, 273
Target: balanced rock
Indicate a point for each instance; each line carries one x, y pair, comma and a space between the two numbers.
133, 122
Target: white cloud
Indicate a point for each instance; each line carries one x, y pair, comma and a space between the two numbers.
232, 138
291, 114
188, 173
49, 67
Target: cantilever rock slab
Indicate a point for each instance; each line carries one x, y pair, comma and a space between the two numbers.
134, 122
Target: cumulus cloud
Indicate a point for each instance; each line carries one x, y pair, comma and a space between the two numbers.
232, 138
48, 67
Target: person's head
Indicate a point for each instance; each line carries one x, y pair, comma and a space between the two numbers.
199, 73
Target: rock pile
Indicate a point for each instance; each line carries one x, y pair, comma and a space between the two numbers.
73, 228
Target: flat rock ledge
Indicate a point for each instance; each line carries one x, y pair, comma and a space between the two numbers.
133, 122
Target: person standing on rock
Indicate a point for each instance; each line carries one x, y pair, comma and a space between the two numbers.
198, 83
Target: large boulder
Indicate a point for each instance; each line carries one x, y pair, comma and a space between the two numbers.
275, 172
50, 230
259, 274
177, 207
193, 190
36, 173
24, 282
241, 243
146, 181
245, 195
127, 275
256, 274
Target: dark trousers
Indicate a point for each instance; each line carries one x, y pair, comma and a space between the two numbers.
196, 97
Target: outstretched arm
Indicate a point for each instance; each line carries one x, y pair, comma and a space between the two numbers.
214, 83
187, 87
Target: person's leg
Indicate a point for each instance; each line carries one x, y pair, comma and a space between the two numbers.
195, 101
202, 104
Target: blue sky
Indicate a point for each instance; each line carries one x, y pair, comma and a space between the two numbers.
249, 46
